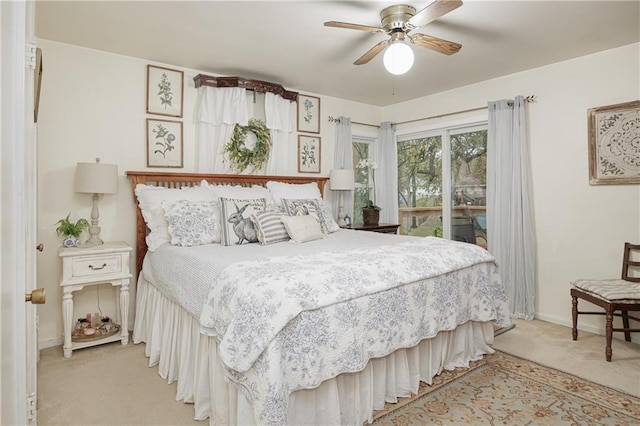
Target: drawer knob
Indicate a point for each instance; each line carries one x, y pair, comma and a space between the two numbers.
97, 268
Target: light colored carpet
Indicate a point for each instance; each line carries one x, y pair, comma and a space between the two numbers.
113, 385
504, 389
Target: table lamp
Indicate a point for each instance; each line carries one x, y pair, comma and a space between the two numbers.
341, 180
97, 179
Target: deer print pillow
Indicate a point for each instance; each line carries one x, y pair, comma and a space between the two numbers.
237, 227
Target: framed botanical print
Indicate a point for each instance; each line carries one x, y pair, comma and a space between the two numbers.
614, 147
164, 143
165, 88
308, 114
308, 154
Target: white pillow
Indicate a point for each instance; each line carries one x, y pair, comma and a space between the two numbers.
315, 208
150, 199
302, 229
269, 227
237, 227
238, 192
326, 218
280, 190
192, 223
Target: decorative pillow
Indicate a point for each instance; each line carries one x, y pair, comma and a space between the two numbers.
302, 229
280, 190
269, 227
326, 218
150, 199
237, 227
191, 223
310, 207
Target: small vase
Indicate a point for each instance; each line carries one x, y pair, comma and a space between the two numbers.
71, 241
370, 216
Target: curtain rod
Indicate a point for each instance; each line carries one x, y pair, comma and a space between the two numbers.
337, 120
527, 99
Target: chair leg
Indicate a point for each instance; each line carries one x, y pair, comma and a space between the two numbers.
574, 315
608, 351
625, 323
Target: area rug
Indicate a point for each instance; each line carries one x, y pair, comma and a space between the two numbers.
502, 389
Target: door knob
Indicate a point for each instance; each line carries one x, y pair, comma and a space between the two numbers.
37, 296
40, 247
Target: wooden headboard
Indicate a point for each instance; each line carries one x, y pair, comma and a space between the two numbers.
179, 180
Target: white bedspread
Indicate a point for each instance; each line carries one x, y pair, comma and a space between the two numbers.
289, 323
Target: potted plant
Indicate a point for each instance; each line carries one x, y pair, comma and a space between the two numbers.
71, 230
370, 211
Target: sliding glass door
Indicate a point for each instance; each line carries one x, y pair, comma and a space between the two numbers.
442, 183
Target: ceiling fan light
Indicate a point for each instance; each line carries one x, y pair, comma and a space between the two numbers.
398, 59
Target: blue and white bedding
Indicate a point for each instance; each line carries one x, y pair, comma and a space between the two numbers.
290, 322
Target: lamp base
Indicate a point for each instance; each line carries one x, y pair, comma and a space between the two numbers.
94, 237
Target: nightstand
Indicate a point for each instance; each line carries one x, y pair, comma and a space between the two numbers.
85, 266
383, 228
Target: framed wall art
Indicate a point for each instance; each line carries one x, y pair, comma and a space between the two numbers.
165, 88
614, 144
308, 114
164, 143
308, 154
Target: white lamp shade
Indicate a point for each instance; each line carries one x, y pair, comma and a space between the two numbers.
96, 178
398, 59
341, 180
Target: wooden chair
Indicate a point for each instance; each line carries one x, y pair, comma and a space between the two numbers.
612, 295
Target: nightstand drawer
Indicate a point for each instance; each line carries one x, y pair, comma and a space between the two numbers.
95, 266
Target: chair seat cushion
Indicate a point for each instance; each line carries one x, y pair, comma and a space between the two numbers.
620, 291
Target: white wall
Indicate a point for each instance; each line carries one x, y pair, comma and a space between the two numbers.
93, 105
580, 228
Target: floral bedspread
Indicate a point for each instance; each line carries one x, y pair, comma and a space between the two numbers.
289, 323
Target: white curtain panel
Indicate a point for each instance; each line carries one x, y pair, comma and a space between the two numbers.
510, 222
218, 109
278, 115
387, 179
342, 159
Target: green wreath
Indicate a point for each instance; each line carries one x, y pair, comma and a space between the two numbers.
242, 157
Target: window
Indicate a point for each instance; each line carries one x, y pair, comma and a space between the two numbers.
442, 183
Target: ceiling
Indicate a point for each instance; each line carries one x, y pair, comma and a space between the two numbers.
286, 42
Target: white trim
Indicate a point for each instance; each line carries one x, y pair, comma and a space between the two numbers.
50, 343
582, 327
408, 133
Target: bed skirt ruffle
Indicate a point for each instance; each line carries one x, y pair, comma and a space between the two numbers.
174, 343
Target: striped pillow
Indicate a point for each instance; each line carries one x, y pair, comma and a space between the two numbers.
269, 227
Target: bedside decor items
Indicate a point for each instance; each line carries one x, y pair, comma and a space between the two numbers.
308, 154
92, 266
71, 230
370, 211
164, 91
308, 114
164, 143
252, 156
97, 179
341, 180
614, 152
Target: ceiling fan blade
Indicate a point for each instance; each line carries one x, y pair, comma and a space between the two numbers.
350, 26
435, 43
433, 12
371, 53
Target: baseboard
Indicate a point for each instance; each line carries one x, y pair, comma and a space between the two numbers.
635, 338
49, 343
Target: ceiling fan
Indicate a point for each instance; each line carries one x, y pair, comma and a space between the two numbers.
397, 22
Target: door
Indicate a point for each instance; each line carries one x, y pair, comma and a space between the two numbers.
18, 341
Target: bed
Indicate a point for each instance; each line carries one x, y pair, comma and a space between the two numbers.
325, 333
